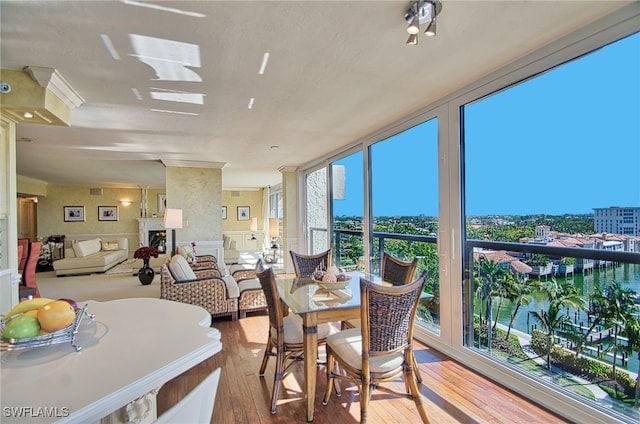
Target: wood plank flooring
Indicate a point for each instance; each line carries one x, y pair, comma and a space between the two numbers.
452, 392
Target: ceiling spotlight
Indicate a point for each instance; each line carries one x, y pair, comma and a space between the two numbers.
414, 26
422, 12
431, 29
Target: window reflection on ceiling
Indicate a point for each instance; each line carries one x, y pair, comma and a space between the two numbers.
168, 58
172, 61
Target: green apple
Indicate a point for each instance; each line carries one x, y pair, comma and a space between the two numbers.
20, 327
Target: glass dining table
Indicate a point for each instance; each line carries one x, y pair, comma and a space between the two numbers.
317, 305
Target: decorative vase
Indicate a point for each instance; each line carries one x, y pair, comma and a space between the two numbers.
146, 273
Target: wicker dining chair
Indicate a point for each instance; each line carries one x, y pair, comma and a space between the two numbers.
286, 340
304, 265
397, 272
382, 349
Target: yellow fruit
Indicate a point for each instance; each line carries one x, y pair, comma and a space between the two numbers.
56, 315
27, 305
33, 313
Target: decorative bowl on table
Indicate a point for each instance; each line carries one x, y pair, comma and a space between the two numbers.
331, 280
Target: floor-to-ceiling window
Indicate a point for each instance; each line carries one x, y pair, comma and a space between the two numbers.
539, 157
348, 211
514, 252
404, 207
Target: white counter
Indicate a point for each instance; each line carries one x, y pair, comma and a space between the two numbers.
132, 347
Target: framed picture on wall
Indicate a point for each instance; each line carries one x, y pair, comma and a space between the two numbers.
107, 213
224, 212
74, 214
162, 202
243, 213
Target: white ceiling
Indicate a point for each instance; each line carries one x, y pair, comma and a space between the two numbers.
337, 72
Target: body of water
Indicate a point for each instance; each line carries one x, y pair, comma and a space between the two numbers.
626, 274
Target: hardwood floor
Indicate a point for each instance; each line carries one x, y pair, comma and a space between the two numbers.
452, 393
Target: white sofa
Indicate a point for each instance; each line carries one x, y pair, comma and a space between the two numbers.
231, 252
92, 256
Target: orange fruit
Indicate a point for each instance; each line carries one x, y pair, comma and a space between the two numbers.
56, 315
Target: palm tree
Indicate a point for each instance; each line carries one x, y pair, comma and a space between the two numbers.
560, 295
549, 321
519, 294
632, 331
615, 307
489, 274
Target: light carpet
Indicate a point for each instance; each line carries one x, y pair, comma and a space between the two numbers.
117, 283
100, 287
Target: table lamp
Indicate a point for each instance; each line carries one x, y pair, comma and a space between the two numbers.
173, 220
253, 227
273, 232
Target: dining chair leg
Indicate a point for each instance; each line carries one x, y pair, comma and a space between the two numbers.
330, 378
410, 379
416, 370
268, 351
277, 380
365, 397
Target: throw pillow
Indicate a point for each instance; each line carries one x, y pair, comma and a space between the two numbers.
184, 251
180, 269
110, 245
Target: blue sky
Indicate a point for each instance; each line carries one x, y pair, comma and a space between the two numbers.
567, 141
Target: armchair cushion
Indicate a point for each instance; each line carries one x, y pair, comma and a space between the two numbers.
180, 269
232, 287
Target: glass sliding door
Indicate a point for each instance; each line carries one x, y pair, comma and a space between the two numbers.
404, 207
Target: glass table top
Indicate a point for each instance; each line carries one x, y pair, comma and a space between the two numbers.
304, 295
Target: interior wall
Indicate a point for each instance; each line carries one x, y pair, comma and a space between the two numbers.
234, 199
197, 191
51, 212
239, 230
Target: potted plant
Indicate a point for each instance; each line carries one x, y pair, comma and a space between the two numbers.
146, 273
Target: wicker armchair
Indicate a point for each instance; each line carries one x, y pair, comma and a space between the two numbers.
252, 296
209, 290
186, 250
383, 345
304, 265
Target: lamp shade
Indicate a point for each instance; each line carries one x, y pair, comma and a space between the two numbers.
273, 227
253, 227
173, 218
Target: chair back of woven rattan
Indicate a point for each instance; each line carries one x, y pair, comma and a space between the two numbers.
268, 282
259, 265
397, 272
304, 265
387, 316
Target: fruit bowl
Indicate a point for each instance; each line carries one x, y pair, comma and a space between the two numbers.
67, 334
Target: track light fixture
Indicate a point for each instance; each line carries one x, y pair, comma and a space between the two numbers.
422, 12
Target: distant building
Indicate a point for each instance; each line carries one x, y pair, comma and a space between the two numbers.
617, 220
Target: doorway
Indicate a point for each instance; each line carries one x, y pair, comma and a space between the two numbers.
28, 218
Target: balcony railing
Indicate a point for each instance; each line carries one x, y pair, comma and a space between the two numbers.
341, 237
